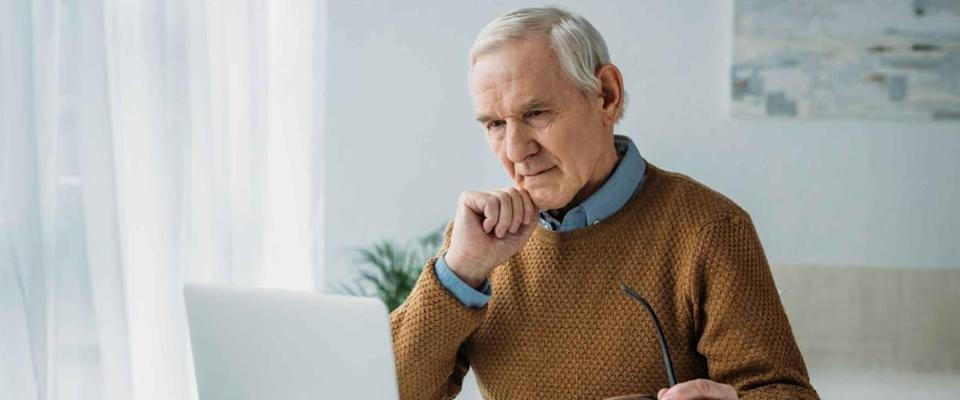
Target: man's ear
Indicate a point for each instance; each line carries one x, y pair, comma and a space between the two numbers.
611, 92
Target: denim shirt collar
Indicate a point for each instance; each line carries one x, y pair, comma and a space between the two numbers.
619, 188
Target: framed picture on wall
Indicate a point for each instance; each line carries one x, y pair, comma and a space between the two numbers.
846, 59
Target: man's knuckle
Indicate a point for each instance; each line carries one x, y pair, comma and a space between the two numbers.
472, 195
703, 386
731, 392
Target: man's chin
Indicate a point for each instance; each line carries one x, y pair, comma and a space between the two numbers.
547, 201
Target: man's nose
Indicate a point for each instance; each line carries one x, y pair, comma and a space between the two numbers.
520, 144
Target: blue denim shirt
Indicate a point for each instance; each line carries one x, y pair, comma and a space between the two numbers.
626, 180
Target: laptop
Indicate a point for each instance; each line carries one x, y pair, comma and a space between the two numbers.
259, 344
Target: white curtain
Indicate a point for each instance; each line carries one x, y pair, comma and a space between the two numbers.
146, 143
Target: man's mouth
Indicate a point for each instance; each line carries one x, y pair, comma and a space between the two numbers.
538, 173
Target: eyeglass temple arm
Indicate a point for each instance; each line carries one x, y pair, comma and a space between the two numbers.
667, 362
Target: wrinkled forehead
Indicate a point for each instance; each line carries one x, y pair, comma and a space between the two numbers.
507, 78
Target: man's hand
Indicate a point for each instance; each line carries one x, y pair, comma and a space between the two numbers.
490, 227
699, 389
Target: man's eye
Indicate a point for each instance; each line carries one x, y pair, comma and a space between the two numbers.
534, 113
494, 124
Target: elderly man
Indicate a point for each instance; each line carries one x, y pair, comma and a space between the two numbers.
526, 287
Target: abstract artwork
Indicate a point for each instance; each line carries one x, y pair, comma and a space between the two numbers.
846, 59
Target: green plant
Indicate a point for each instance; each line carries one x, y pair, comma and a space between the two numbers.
391, 269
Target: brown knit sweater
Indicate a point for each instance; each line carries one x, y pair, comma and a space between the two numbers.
558, 327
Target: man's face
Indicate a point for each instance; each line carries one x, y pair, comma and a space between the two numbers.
548, 135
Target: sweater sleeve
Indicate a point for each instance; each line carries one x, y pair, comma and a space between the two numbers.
429, 330
745, 336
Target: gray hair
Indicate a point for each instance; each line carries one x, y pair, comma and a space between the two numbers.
578, 45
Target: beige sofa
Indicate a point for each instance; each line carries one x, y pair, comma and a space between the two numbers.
877, 333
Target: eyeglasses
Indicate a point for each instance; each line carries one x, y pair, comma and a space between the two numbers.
667, 362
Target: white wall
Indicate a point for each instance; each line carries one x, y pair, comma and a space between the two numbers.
401, 142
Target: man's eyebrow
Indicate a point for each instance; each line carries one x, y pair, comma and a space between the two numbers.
532, 104
482, 118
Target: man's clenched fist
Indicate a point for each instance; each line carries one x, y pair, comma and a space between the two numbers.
490, 227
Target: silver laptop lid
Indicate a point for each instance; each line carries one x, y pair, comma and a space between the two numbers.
258, 344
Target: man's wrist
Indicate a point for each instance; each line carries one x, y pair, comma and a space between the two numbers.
468, 296
457, 266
